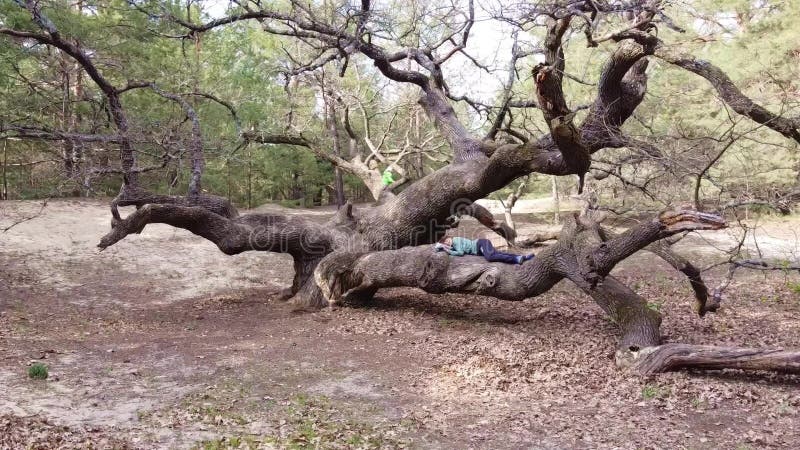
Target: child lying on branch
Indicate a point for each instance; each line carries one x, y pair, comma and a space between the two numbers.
458, 246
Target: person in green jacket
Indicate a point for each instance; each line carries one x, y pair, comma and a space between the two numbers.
387, 179
459, 246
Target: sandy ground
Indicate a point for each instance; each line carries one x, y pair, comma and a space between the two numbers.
164, 342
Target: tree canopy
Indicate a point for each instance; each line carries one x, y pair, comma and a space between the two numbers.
274, 84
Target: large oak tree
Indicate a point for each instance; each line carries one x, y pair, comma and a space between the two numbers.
361, 250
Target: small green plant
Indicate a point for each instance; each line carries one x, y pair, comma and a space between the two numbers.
651, 391
794, 287
302, 399
232, 442
447, 322
785, 409
654, 306
38, 371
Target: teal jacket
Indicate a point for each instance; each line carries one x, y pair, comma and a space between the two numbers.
387, 179
463, 246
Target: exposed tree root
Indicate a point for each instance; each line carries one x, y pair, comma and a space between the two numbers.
670, 357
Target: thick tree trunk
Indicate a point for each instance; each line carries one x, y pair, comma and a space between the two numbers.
639, 325
305, 291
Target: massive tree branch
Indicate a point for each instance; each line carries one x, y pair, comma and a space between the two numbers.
580, 254
135, 196
621, 89
729, 93
704, 302
727, 90
559, 118
306, 241
264, 232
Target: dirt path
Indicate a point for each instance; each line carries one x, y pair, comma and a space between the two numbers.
164, 342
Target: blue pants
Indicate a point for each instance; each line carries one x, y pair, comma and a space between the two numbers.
486, 249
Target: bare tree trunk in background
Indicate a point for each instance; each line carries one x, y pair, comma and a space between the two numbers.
747, 208
76, 116
333, 131
419, 172
4, 193
511, 201
338, 181
339, 186
67, 146
249, 178
228, 176
509, 218
556, 206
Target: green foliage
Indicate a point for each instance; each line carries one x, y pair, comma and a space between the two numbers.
38, 371
653, 391
314, 422
649, 392
654, 306
754, 42
233, 442
130, 48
